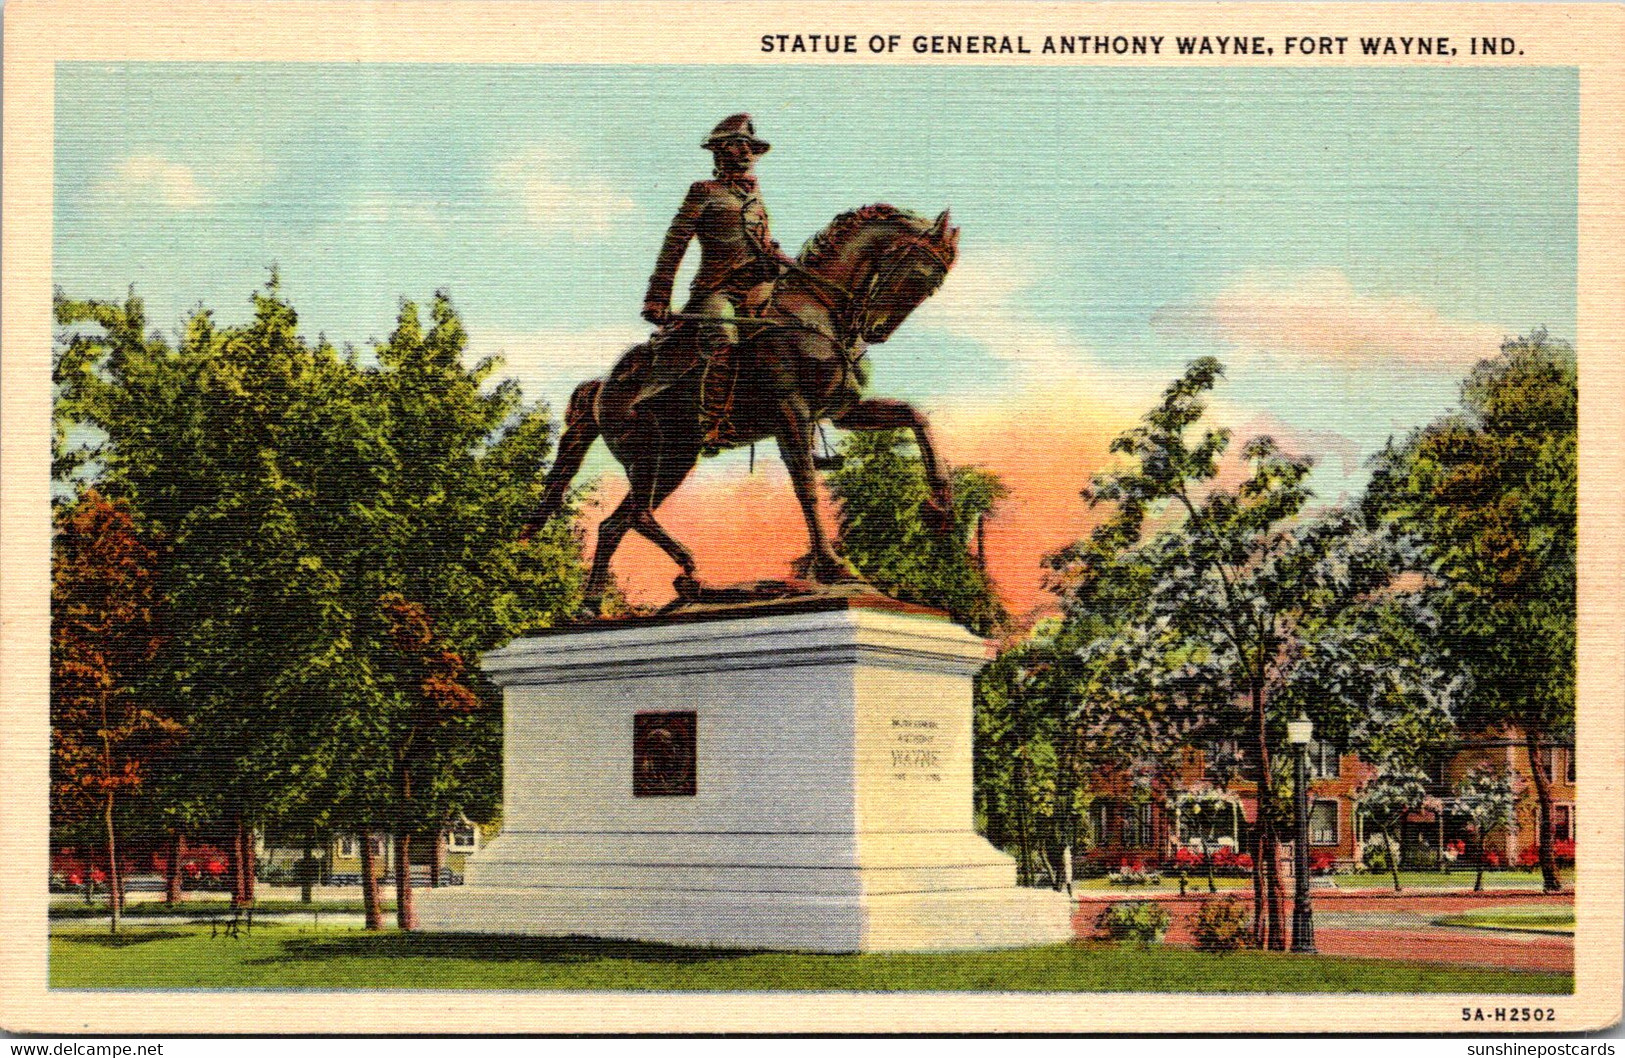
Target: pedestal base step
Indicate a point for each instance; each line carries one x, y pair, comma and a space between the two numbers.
934, 921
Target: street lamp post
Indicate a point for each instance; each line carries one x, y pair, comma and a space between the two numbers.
1300, 733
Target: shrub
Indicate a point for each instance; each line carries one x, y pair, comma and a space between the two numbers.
1221, 925
1140, 922
1492, 859
1187, 859
1322, 862
1134, 874
1564, 851
1529, 858
1375, 856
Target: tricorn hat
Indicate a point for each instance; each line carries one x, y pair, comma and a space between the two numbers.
736, 127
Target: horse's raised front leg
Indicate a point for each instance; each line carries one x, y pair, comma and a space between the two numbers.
882, 413
794, 436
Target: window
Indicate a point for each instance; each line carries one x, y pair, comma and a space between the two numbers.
1550, 763
460, 837
1323, 823
1325, 761
1563, 823
347, 846
1137, 830
1223, 759
1099, 819
1569, 753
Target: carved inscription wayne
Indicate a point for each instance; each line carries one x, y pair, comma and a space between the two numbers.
663, 754
914, 751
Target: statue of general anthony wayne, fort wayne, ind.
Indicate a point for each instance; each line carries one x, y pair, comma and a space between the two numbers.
767, 346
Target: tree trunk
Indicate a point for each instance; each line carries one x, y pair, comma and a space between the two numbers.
369, 885
1478, 883
251, 866
1272, 885
239, 890
115, 890
174, 877
1267, 931
1393, 856
1543, 794
307, 873
405, 917
1023, 859
437, 858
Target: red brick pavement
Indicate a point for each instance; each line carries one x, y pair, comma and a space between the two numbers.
1382, 925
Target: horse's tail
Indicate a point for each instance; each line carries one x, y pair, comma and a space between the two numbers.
580, 431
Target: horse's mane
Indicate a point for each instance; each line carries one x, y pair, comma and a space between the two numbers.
834, 234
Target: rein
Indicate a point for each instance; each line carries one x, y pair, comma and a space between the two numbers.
850, 313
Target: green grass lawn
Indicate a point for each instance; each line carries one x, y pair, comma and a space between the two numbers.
181, 956
1521, 919
203, 908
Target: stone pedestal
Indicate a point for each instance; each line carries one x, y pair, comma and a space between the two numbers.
796, 776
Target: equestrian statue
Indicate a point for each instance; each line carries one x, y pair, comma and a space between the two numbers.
767, 346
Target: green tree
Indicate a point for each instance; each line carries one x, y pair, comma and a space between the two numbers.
1491, 491
441, 576
298, 489
1486, 795
1241, 612
880, 489
1386, 799
1026, 763
206, 442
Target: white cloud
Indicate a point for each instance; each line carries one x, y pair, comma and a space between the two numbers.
150, 178
556, 192
1321, 316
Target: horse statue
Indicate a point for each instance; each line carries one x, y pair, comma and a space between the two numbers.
800, 363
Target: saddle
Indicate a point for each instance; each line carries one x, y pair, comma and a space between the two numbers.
669, 356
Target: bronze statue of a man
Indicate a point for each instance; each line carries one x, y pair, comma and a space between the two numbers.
739, 262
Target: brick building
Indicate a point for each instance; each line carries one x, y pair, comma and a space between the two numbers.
1138, 827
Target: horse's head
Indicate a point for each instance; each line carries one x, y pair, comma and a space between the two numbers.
907, 272
888, 260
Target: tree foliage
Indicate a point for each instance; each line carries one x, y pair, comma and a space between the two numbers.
880, 488
313, 503
1491, 492
1210, 611
108, 727
1387, 798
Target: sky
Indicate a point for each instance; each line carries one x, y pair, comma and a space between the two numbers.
1347, 242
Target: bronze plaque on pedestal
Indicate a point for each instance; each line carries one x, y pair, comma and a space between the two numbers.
663, 754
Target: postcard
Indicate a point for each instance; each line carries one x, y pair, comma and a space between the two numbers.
531, 517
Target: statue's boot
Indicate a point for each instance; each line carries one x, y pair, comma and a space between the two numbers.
716, 403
